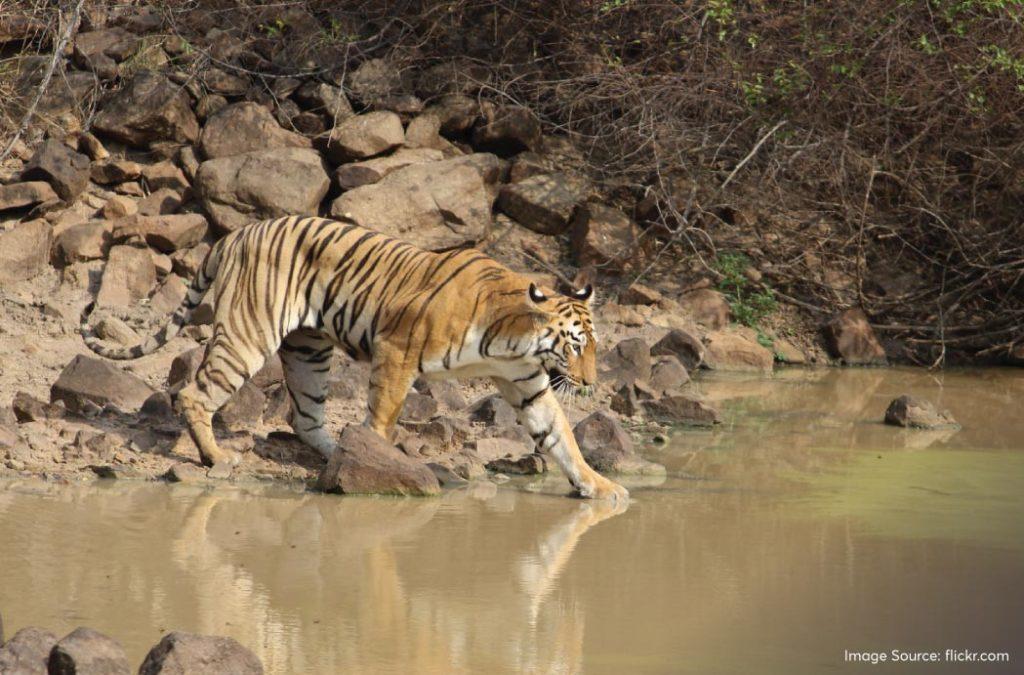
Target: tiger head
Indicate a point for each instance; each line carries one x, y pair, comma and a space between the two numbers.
566, 346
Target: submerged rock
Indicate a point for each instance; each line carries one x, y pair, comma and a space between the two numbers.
918, 413
88, 652
181, 653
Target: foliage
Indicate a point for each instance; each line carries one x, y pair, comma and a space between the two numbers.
749, 305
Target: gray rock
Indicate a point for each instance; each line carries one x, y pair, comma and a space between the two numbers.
507, 130
667, 374
64, 169
682, 408
608, 449
27, 652
364, 136
148, 109
374, 80
444, 392
190, 654
493, 410
22, 195
25, 250
849, 337
28, 408
370, 171
418, 407
456, 113
544, 204
918, 413
88, 381
164, 175
603, 237
236, 191
319, 97
88, 652
526, 465
629, 361
424, 131
367, 464
162, 202
490, 449
128, 277
708, 307
245, 127
684, 346
441, 435
158, 406
244, 409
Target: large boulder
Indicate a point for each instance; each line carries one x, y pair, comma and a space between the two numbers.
367, 172
507, 130
64, 169
24, 250
367, 464
364, 136
608, 449
22, 195
603, 237
88, 652
148, 109
237, 190
543, 203
736, 351
245, 127
89, 382
128, 277
682, 345
918, 413
435, 206
849, 337
190, 654
27, 652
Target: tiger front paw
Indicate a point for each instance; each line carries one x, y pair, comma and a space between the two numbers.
600, 487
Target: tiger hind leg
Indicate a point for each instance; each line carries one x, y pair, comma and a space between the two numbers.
306, 358
390, 380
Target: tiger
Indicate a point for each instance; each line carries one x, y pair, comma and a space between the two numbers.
302, 286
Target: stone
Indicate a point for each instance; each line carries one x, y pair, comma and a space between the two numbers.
684, 346
185, 472
209, 105
527, 465
424, 131
64, 169
164, 175
626, 400
849, 337
918, 413
186, 263
667, 374
158, 407
616, 313
245, 127
148, 109
528, 164
120, 206
787, 352
28, 408
181, 653
88, 652
236, 191
183, 368
735, 351
22, 195
441, 435
168, 296
544, 204
628, 361
128, 277
112, 328
374, 80
166, 233
436, 206
115, 171
89, 381
490, 449
367, 464
603, 237
460, 75
244, 409
91, 146
493, 410
24, 250
364, 136
88, 241
506, 130
456, 113
225, 84
708, 307
682, 408
370, 171
418, 407
608, 449
164, 201
27, 652
444, 392
639, 294
320, 97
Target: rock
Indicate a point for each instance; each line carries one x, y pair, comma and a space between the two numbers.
603, 237
90, 146
735, 351
245, 127
164, 201
22, 195
169, 296
424, 131
319, 97
89, 381
64, 169
528, 164
682, 409
849, 337
24, 250
209, 105
440, 205
629, 360
418, 407
787, 352
490, 449
446, 475
506, 130
616, 313
461, 75
444, 392
370, 171
491, 169
183, 368
608, 449
708, 307
115, 171
158, 407
367, 464
186, 472
187, 263
493, 410
148, 109
166, 233
27, 652
918, 413
441, 435
364, 136
639, 294
374, 80
164, 176
627, 399
119, 206
527, 465
190, 654
28, 408
543, 204
684, 346
225, 84
88, 241
236, 191
128, 277
456, 113
244, 409
112, 328
87, 652
667, 374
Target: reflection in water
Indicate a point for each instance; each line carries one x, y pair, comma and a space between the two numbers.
802, 529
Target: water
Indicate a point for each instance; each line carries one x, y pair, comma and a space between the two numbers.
800, 529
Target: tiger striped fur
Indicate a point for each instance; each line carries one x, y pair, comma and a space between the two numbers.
302, 286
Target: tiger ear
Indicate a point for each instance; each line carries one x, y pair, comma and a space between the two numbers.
584, 294
536, 295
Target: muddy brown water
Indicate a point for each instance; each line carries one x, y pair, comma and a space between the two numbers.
798, 531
